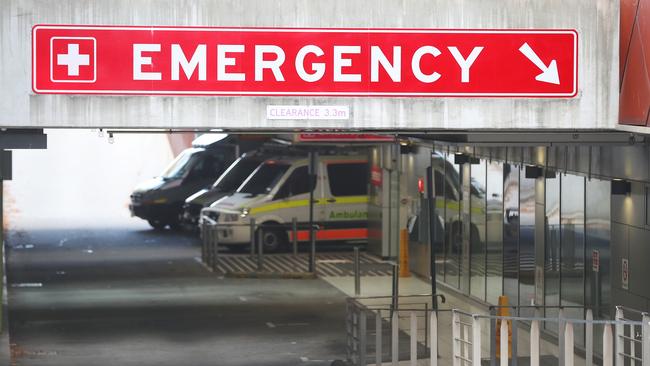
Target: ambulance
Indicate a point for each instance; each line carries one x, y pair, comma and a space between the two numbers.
278, 191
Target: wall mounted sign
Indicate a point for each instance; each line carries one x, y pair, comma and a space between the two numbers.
161, 60
315, 112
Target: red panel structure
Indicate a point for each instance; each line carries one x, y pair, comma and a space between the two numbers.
634, 57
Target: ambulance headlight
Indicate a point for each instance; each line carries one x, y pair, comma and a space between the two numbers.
244, 213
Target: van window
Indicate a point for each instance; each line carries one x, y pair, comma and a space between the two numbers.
297, 183
182, 164
209, 167
263, 179
348, 179
236, 174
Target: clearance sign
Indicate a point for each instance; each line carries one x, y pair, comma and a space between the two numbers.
304, 62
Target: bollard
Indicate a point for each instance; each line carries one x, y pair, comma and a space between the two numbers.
252, 223
260, 248
215, 250
395, 292
357, 272
503, 331
294, 236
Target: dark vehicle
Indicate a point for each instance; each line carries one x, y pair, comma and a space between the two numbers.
160, 200
227, 184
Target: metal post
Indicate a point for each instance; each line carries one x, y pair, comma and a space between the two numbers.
426, 324
252, 229
515, 350
504, 342
378, 345
312, 235
294, 231
432, 234
476, 341
493, 337
608, 346
395, 338
434, 338
363, 339
534, 343
568, 345
395, 292
414, 339
455, 339
645, 329
589, 338
560, 336
357, 272
260, 248
620, 341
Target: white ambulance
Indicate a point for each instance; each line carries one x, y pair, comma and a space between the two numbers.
278, 191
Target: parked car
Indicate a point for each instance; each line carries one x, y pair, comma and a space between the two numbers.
160, 200
278, 191
226, 185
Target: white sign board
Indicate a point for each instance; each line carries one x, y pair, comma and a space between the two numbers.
307, 112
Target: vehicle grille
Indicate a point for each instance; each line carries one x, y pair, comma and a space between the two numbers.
136, 197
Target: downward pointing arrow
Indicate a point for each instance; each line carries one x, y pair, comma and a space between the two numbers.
549, 73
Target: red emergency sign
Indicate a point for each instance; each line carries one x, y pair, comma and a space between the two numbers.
304, 62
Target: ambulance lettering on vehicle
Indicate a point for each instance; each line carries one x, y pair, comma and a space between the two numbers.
278, 191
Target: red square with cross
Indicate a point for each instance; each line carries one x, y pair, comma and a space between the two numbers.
73, 59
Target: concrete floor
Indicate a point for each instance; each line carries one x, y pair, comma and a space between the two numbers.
133, 296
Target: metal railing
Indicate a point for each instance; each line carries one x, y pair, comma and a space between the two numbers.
376, 328
566, 340
378, 331
210, 240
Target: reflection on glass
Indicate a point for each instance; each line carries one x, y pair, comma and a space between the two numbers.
438, 172
598, 243
552, 249
477, 229
494, 225
511, 232
466, 224
453, 234
526, 240
572, 221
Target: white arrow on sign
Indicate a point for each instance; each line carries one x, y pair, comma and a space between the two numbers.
549, 73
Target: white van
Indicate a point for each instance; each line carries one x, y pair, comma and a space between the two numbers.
278, 190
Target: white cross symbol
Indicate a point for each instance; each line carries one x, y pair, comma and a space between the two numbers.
73, 59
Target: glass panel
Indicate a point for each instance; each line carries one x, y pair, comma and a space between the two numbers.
477, 229
453, 235
465, 178
511, 233
348, 179
552, 249
494, 231
439, 181
526, 239
598, 219
572, 221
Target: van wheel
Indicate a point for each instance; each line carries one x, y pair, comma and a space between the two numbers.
158, 225
274, 240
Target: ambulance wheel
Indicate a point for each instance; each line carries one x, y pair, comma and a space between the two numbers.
157, 225
274, 240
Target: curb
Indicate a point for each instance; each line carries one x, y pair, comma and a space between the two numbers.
272, 275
